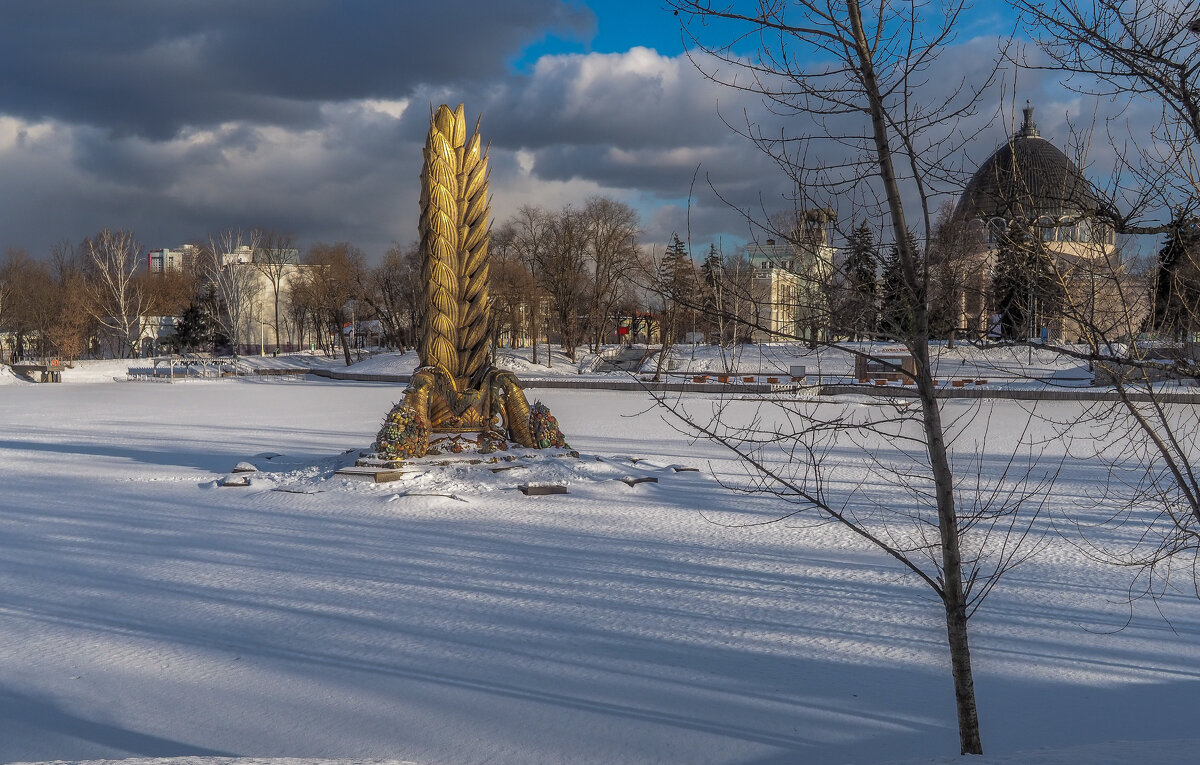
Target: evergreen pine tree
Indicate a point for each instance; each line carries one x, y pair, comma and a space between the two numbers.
1027, 290
677, 287
676, 282
710, 271
1177, 283
897, 297
194, 329
1011, 285
861, 267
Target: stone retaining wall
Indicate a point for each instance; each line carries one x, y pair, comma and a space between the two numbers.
890, 391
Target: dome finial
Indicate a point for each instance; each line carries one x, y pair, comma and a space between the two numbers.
1029, 127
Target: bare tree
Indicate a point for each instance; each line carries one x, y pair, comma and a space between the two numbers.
115, 278
68, 329
1142, 51
71, 330
580, 261
21, 288
611, 232
673, 280
9, 286
513, 290
532, 228
275, 257
882, 144
564, 275
225, 265
331, 284
741, 299
394, 292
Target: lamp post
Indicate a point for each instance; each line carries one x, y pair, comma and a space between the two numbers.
1029, 308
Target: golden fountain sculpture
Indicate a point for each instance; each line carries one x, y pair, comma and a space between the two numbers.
456, 390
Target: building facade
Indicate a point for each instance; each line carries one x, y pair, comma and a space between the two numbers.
792, 280
1030, 184
168, 260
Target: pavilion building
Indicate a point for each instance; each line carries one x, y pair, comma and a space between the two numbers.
1030, 183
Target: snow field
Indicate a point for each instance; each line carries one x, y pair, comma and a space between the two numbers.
147, 613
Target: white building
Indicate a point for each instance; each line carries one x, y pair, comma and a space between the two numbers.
165, 260
793, 279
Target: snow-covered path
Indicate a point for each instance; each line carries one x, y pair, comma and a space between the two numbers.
144, 612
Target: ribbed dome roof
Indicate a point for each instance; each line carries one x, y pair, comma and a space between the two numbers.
1026, 178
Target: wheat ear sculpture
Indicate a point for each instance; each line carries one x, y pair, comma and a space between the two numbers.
439, 230
455, 231
456, 390
473, 239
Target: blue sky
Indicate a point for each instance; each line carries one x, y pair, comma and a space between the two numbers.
619, 25
622, 24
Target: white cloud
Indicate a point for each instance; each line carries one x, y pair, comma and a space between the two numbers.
18, 134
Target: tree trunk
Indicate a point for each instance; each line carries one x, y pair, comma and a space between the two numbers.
533, 327
964, 682
953, 596
665, 348
952, 592
276, 285
341, 330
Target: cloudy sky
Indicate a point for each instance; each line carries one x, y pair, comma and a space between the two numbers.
175, 119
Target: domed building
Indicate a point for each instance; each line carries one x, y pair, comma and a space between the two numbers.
1030, 181
1028, 188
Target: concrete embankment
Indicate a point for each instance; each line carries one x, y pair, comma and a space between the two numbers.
1048, 393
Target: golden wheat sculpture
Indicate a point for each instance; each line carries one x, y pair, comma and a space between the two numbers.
456, 390
439, 229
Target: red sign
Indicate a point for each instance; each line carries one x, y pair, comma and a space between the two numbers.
622, 331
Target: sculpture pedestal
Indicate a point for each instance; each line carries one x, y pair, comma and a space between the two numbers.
475, 441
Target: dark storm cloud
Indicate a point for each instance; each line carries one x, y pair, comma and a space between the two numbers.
667, 173
149, 67
179, 118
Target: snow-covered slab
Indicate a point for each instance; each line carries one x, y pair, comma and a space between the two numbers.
632, 481
297, 489
373, 474
541, 489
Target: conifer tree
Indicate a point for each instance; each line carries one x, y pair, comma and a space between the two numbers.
677, 289
1026, 286
861, 274
194, 329
676, 283
1177, 283
1011, 286
897, 296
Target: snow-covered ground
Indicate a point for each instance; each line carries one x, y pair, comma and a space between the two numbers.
146, 612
